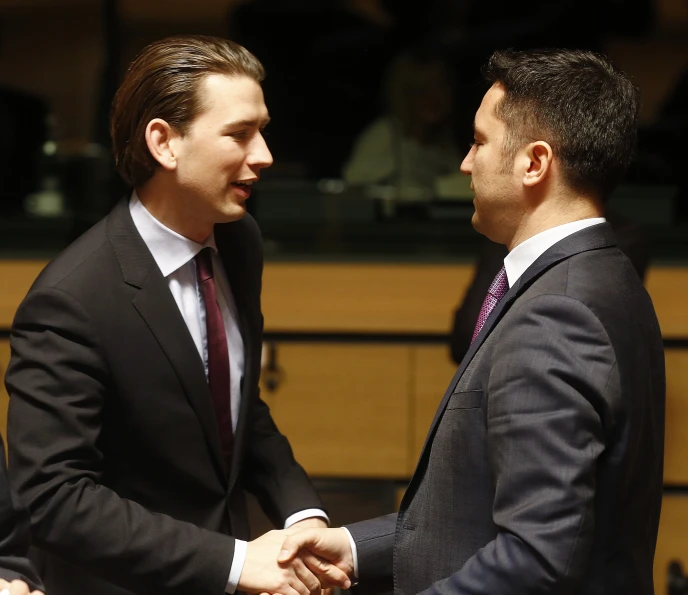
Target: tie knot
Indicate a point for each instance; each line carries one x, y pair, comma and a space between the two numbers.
500, 285
204, 265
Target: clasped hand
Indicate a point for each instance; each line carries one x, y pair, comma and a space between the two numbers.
297, 562
16, 587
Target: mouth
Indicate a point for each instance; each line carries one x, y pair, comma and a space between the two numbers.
243, 187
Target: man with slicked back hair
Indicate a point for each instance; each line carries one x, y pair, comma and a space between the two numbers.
135, 421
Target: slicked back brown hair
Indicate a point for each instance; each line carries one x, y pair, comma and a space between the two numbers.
162, 82
578, 102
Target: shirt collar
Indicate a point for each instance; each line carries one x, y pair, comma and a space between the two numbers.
170, 250
526, 253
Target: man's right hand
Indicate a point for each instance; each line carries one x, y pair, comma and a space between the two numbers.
323, 551
16, 587
262, 573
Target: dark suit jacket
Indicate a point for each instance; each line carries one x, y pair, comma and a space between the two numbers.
542, 470
114, 447
14, 535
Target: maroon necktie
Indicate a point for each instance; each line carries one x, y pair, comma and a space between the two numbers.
218, 352
497, 290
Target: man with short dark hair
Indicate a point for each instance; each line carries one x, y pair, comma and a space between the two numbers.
135, 422
542, 470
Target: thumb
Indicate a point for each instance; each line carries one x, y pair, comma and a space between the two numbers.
293, 543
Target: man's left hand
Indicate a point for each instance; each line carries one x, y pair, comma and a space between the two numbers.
312, 523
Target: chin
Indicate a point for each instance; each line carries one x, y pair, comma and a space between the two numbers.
233, 212
475, 222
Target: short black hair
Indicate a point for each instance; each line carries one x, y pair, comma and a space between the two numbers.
577, 101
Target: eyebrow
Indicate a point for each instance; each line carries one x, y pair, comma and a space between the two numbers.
249, 123
477, 131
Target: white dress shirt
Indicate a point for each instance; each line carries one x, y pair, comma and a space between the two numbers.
516, 263
526, 253
174, 255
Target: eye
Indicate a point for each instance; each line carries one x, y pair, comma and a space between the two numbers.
239, 134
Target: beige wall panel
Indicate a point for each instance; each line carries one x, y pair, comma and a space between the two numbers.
672, 542
16, 276
4, 399
362, 297
676, 438
368, 297
345, 408
668, 287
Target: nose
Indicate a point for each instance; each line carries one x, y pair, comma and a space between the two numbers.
259, 156
467, 164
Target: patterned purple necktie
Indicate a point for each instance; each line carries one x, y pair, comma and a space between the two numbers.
497, 290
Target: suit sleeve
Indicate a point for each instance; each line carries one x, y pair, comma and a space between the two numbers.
553, 363
59, 384
14, 535
375, 554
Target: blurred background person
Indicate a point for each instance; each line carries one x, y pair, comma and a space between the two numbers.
412, 143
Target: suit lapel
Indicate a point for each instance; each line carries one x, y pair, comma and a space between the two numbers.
230, 247
590, 238
157, 307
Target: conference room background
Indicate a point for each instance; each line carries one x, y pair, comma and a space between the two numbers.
366, 258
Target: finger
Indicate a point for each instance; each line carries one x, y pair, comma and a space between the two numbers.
329, 575
293, 543
303, 574
297, 587
18, 587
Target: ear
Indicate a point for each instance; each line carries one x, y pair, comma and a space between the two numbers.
538, 158
161, 139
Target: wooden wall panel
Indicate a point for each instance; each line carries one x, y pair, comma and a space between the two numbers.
672, 542
381, 297
4, 398
362, 297
344, 408
676, 437
668, 287
16, 277
407, 298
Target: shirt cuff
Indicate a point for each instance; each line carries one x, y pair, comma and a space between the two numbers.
240, 549
309, 513
354, 553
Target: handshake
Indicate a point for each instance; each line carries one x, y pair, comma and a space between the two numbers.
298, 561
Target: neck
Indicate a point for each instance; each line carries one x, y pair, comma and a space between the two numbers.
169, 208
552, 213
